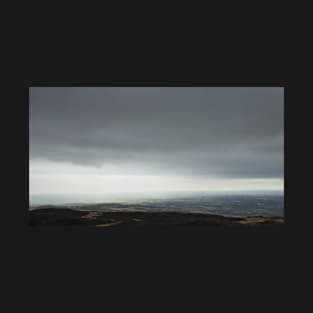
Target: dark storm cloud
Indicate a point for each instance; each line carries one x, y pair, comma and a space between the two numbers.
226, 132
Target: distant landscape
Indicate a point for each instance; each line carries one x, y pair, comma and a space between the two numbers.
234, 210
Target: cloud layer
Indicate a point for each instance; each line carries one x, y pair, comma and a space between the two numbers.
193, 131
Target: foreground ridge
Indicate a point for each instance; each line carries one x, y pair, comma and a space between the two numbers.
67, 217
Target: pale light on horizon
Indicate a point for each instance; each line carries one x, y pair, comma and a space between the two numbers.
63, 178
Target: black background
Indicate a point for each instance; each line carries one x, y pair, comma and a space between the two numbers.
69, 268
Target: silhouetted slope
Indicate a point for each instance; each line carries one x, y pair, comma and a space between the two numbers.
65, 216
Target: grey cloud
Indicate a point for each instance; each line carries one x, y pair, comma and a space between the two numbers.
226, 132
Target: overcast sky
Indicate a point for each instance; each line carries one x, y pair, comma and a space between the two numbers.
158, 138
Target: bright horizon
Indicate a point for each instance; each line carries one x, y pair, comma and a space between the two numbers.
61, 178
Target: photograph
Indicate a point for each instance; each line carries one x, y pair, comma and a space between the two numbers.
166, 156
